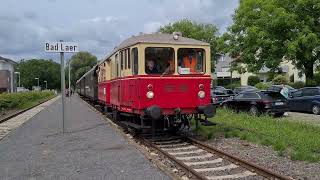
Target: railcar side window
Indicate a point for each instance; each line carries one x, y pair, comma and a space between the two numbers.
129, 60
117, 65
121, 59
135, 66
159, 60
191, 61
125, 59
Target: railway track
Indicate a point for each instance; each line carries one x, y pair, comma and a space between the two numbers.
202, 161
206, 162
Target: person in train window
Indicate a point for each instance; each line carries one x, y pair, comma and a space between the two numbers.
189, 61
169, 68
151, 67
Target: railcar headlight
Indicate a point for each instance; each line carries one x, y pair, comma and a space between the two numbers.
201, 94
150, 94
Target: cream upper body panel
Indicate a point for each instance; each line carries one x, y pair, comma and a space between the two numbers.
110, 67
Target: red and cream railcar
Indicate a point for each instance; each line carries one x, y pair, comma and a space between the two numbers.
160, 77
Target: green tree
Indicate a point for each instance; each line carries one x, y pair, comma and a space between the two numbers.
45, 70
265, 32
81, 62
203, 32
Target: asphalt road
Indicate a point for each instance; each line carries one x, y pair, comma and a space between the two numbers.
304, 117
89, 150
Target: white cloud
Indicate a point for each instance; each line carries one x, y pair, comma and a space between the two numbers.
151, 27
97, 25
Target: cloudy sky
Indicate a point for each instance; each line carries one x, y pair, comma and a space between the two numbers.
97, 25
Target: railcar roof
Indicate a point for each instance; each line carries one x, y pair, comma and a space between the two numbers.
92, 69
156, 38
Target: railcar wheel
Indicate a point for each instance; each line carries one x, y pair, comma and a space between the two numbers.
254, 111
316, 110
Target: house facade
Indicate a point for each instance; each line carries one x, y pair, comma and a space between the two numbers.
222, 70
7, 76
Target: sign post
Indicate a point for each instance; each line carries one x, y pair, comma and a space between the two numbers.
62, 47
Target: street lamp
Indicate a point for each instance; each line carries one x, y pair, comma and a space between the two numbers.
46, 84
19, 77
38, 80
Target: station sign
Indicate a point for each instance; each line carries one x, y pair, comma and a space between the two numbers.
58, 47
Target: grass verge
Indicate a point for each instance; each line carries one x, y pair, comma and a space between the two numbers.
298, 140
18, 101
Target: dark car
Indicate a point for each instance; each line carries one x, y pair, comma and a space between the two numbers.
257, 102
238, 90
223, 89
278, 88
217, 96
305, 100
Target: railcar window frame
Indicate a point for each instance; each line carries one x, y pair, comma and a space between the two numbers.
204, 61
160, 73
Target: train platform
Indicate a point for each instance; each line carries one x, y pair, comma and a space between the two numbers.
90, 148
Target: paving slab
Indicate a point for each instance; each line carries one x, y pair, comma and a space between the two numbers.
90, 148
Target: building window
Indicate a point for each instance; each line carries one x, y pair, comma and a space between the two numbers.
222, 58
134, 53
225, 69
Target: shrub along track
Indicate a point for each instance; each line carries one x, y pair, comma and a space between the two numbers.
23, 110
202, 161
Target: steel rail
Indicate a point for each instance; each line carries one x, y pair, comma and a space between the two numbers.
246, 164
180, 163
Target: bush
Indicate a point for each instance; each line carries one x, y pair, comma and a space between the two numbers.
280, 79
311, 83
23, 100
298, 85
263, 86
253, 80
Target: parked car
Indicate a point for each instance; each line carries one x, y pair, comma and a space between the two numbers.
223, 89
217, 96
278, 88
238, 90
305, 100
257, 102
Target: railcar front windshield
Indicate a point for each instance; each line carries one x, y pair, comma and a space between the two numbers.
159, 60
191, 61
